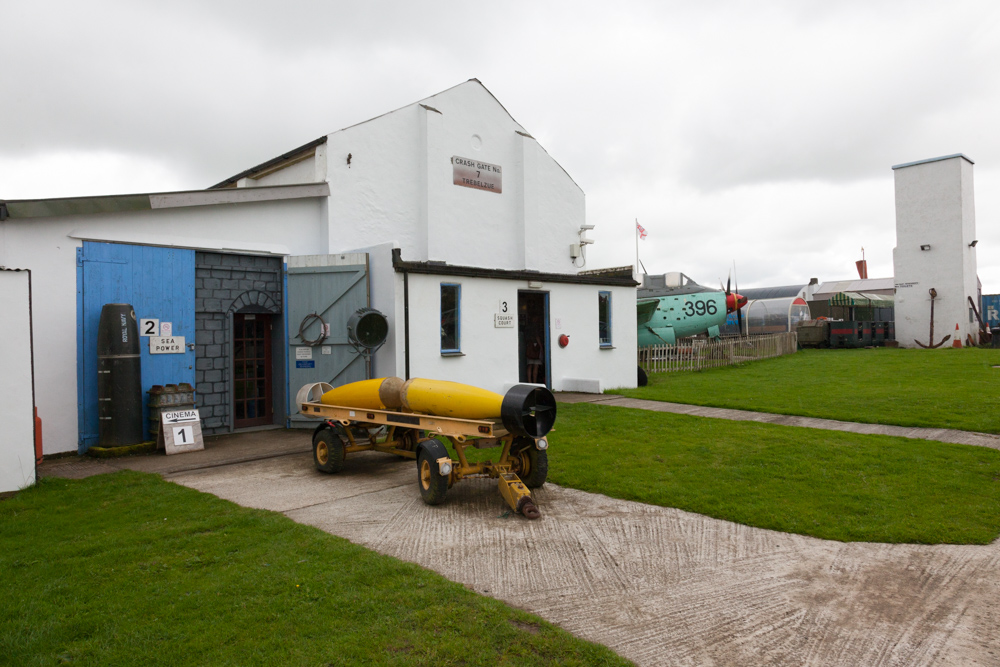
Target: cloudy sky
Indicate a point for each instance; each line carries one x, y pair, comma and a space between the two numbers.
755, 133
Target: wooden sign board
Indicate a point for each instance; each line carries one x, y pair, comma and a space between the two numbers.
180, 431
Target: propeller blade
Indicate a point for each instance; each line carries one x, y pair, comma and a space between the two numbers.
728, 282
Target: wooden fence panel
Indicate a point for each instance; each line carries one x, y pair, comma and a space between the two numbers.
701, 354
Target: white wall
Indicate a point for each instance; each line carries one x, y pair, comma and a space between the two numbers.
935, 206
386, 296
17, 434
399, 186
48, 246
490, 354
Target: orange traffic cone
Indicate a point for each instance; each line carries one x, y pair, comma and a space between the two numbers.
958, 338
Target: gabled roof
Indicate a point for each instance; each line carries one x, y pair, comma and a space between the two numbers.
291, 156
306, 149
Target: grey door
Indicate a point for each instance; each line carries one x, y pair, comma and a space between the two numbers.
323, 291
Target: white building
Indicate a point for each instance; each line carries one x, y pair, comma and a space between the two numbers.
935, 250
445, 215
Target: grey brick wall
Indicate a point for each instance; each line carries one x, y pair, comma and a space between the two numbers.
226, 284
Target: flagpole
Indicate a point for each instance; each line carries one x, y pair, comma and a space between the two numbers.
636, 232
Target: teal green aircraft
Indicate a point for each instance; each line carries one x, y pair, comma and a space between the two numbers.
673, 306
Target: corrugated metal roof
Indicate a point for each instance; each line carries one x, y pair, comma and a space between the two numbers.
860, 299
868, 285
772, 292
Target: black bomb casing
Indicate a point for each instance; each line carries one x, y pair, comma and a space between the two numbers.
119, 377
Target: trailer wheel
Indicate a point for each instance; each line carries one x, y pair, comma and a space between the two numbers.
433, 485
328, 451
530, 463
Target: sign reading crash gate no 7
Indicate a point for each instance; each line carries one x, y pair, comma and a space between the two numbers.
476, 174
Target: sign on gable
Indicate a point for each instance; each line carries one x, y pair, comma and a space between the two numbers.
477, 175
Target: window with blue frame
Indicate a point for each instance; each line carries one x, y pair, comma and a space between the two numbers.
451, 321
604, 318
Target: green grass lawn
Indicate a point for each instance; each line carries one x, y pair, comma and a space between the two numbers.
828, 484
948, 388
127, 569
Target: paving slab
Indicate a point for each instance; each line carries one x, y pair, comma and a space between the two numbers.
940, 434
658, 585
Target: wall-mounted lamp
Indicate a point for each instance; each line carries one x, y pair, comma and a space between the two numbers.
925, 247
974, 242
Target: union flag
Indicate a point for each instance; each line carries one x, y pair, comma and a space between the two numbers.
642, 232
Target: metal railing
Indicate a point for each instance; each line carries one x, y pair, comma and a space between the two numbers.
698, 354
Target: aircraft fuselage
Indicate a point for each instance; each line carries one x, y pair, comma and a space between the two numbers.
683, 315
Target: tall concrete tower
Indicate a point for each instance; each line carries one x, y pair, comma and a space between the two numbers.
935, 250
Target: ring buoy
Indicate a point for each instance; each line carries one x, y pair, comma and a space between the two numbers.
822, 317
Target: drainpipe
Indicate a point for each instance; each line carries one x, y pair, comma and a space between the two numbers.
406, 321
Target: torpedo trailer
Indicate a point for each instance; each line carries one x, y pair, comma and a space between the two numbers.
410, 420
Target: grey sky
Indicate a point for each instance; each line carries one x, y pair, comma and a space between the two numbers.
761, 133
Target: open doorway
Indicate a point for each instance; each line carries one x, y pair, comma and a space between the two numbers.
533, 337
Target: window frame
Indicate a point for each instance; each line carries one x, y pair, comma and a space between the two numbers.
609, 342
458, 318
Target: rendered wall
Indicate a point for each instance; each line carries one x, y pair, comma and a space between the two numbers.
935, 206
17, 434
399, 187
490, 355
48, 246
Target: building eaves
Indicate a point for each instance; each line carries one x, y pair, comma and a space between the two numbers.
49, 208
933, 159
613, 277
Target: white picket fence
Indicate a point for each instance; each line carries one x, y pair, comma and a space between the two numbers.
696, 354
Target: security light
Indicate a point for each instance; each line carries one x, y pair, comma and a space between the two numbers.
925, 247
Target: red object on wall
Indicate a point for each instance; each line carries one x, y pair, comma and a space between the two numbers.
38, 438
563, 340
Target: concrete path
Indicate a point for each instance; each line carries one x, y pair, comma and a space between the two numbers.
657, 585
939, 434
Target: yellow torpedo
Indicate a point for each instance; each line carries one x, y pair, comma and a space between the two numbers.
377, 394
450, 399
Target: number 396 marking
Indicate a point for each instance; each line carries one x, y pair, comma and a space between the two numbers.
692, 308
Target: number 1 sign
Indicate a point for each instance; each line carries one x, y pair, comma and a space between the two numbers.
180, 431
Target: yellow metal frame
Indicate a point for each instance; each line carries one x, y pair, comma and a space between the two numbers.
461, 433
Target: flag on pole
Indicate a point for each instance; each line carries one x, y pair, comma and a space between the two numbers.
642, 232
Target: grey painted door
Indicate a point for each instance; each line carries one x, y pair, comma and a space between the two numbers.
323, 291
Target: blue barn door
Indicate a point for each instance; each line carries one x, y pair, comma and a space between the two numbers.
159, 283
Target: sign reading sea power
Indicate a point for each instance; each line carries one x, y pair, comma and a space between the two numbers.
475, 174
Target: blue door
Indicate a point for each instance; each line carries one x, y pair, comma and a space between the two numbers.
159, 284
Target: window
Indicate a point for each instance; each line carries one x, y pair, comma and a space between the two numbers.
604, 318
451, 330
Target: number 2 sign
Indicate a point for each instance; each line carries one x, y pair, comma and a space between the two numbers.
149, 327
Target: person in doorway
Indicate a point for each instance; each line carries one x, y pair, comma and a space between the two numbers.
533, 353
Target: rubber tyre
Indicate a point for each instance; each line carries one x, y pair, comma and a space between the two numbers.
537, 463
328, 451
433, 485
